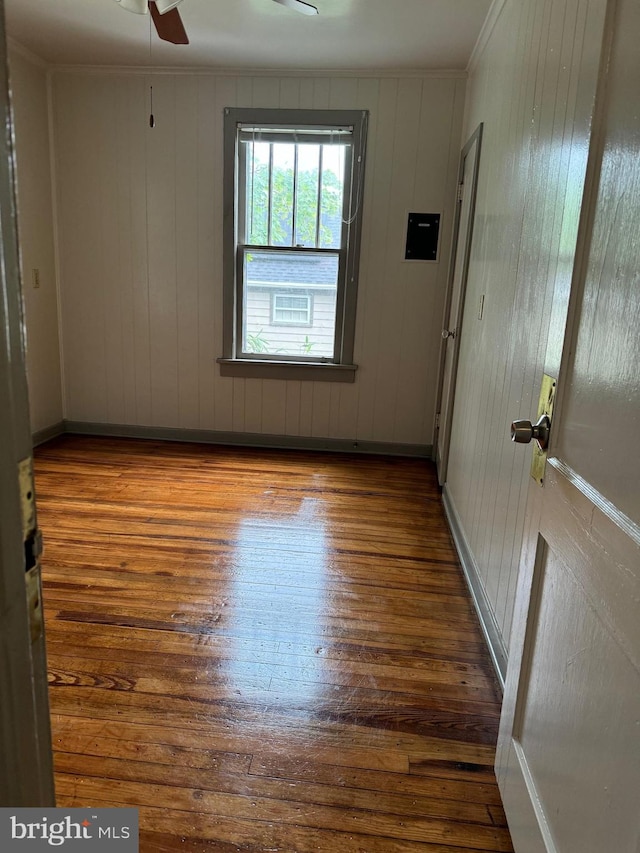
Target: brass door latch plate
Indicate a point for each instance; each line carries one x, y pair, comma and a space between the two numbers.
545, 407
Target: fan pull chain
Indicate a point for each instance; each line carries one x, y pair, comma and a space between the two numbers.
152, 120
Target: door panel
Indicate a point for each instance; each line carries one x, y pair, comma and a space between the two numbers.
569, 748
604, 372
577, 719
468, 178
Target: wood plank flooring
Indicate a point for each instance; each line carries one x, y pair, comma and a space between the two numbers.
264, 651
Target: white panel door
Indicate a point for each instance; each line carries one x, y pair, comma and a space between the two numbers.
468, 176
569, 750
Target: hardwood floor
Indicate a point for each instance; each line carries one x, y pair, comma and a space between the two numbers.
264, 651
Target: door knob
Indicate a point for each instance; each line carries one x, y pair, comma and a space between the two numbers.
522, 432
448, 334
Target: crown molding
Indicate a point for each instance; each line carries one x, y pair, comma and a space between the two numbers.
212, 71
19, 49
198, 71
485, 34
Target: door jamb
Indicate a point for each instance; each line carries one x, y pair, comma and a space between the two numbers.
26, 773
476, 136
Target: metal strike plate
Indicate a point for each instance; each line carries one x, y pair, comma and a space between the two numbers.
34, 602
27, 496
545, 407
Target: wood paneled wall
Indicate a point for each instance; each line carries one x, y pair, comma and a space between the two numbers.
533, 86
36, 231
140, 241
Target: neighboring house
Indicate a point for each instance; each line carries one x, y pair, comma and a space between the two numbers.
291, 303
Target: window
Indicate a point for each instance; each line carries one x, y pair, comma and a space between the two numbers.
293, 213
291, 310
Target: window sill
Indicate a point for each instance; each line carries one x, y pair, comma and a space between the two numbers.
300, 370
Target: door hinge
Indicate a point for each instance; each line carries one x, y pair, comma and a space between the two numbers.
460, 192
437, 420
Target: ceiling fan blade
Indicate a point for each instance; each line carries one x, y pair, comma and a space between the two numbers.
299, 6
165, 5
139, 7
169, 26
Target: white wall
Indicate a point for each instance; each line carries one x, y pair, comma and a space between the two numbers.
35, 223
533, 86
140, 225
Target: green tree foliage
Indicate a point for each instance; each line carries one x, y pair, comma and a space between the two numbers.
282, 206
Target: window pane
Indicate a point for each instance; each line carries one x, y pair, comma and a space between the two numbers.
257, 195
333, 164
290, 303
307, 195
282, 194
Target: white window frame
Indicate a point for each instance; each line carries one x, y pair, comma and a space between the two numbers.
280, 321
351, 124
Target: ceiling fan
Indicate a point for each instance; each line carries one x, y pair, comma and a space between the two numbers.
165, 16
168, 22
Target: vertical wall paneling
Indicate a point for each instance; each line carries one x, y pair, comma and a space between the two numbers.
187, 229
306, 408
427, 282
378, 186
124, 189
292, 408
406, 123
112, 257
542, 57
320, 408
274, 404
238, 406
80, 120
141, 252
253, 405
136, 168
162, 242
36, 231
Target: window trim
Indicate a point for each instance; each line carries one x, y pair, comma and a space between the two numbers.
341, 368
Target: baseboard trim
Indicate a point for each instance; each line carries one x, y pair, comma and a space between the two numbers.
249, 439
46, 434
481, 602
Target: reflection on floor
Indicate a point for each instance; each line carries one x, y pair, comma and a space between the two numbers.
264, 651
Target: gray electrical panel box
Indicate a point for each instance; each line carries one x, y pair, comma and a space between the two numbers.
423, 230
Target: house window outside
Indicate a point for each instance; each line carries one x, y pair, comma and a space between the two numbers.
290, 310
293, 211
